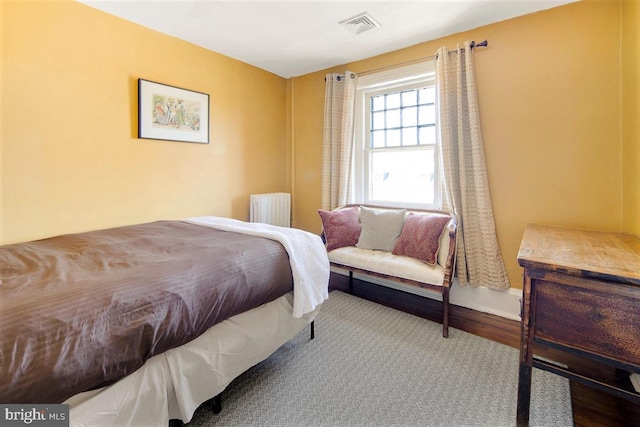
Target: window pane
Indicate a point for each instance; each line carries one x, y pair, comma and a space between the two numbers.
377, 138
426, 114
377, 103
393, 100
409, 98
396, 166
393, 118
377, 120
428, 95
393, 138
403, 176
427, 135
409, 136
409, 116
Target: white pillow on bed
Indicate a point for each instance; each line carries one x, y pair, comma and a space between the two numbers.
380, 228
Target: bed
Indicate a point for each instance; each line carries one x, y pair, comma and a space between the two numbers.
138, 325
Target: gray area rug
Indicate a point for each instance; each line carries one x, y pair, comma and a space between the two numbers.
371, 365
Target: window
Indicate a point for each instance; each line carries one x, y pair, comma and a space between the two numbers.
396, 151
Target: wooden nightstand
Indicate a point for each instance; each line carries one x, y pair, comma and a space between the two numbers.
581, 295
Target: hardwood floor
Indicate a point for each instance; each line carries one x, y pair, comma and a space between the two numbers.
591, 408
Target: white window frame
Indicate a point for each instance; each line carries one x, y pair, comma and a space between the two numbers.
395, 80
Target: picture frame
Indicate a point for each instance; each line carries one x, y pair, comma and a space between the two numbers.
171, 113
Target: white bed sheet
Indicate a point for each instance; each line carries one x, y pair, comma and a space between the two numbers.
172, 385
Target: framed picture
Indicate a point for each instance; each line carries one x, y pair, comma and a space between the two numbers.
172, 114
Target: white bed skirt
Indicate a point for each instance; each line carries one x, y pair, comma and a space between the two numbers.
172, 385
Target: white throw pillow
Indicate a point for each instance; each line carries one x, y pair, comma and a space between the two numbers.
380, 228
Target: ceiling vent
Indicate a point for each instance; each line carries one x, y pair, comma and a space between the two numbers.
360, 23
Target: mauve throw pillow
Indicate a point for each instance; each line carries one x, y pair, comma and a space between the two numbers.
420, 237
341, 227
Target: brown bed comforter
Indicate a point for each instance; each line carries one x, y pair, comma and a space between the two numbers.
81, 311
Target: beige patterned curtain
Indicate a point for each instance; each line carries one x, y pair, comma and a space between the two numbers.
337, 151
466, 186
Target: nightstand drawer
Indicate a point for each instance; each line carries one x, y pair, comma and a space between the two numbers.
600, 321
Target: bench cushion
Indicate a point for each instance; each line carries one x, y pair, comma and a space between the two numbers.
386, 263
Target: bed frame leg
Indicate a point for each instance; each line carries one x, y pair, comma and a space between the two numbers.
216, 404
313, 334
351, 282
176, 423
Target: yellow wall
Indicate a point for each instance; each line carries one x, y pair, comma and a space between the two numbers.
561, 141
71, 160
631, 115
549, 93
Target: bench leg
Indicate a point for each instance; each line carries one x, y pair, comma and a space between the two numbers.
313, 334
445, 311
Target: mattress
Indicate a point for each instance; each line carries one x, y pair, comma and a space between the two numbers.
82, 311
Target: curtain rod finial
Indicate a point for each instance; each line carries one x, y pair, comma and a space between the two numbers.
484, 43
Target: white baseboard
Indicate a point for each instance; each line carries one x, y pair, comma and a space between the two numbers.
500, 303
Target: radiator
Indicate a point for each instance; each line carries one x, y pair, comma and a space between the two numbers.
271, 208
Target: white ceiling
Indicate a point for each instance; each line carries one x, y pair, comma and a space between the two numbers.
294, 37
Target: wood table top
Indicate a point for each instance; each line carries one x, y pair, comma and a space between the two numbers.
595, 254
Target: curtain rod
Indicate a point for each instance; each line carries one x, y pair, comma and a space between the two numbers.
472, 45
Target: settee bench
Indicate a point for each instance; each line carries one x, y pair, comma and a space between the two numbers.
421, 254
